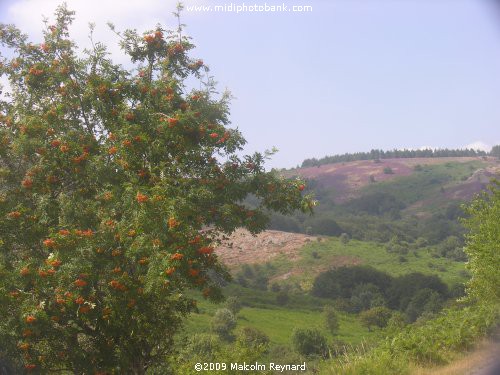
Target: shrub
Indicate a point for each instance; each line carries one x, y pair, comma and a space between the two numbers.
309, 342
233, 304
388, 170
282, 297
344, 238
331, 319
250, 336
340, 282
223, 323
377, 316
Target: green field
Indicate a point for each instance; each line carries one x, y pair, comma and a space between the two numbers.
304, 311
316, 257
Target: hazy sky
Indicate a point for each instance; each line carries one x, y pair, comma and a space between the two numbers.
349, 76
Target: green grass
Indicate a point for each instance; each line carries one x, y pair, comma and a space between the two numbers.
279, 322
304, 311
426, 183
331, 251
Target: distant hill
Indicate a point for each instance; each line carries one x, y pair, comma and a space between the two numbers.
346, 180
398, 154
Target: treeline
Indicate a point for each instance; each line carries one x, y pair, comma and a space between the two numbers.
361, 288
392, 154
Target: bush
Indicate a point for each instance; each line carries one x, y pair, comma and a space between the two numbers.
282, 297
331, 319
425, 301
309, 342
223, 323
233, 304
404, 287
340, 282
344, 238
388, 170
201, 345
252, 337
377, 316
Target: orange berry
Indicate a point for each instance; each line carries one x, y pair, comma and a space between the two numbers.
80, 301
27, 183
30, 319
193, 272
169, 271
141, 198
80, 283
207, 250
177, 256
172, 223
42, 273
49, 242
14, 214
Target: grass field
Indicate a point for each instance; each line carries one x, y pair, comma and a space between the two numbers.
317, 257
278, 323
304, 311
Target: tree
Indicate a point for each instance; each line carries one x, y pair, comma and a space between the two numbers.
233, 304
115, 185
252, 337
378, 316
331, 319
309, 342
344, 238
223, 323
483, 245
495, 151
388, 170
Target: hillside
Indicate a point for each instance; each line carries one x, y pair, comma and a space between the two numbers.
349, 178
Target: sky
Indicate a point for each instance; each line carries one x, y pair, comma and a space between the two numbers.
347, 76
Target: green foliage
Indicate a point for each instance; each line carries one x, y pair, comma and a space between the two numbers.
109, 178
309, 342
377, 316
388, 170
344, 238
376, 155
322, 226
377, 203
341, 282
495, 151
424, 302
366, 296
405, 287
252, 337
233, 304
331, 319
483, 245
253, 276
223, 323
282, 297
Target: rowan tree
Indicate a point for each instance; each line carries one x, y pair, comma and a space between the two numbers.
115, 185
